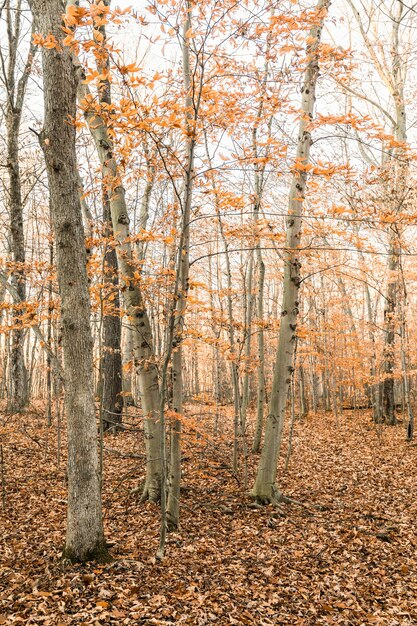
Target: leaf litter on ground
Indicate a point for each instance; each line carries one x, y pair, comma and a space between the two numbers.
347, 557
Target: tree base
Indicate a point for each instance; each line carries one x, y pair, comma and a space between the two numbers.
172, 524
149, 492
99, 554
267, 495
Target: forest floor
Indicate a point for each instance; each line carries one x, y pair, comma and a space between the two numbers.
347, 557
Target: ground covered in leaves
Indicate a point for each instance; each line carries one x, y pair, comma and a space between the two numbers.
347, 557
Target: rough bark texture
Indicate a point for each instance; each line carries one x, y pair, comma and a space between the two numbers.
18, 379
264, 489
388, 400
84, 537
16, 90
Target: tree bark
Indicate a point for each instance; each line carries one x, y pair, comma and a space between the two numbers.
143, 350
183, 270
264, 489
84, 537
16, 91
111, 365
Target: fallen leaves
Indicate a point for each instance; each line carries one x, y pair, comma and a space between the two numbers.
229, 563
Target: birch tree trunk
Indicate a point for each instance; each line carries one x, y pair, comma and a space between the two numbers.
264, 489
84, 537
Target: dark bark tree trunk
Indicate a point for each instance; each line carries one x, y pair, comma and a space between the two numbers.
111, 366
389, 361
15, 92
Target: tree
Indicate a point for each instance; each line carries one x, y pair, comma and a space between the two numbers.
264, 489
183, 270
392, 74
111, 362
142, 338
15, 96
84, 536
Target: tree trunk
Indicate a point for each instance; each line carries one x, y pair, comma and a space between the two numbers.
248, 309
144, 356
84, 537
388, 401
260, 401
183, 269
127, 360
264, 489
19, 396
19, 389
111, 365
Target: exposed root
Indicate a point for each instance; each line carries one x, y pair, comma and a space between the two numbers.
276, 498
147, 493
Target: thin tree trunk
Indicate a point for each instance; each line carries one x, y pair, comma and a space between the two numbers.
259, 180
144, 355
111, 365
248, 341
183, 268
264, 489
260, 401
388, 400
19, 388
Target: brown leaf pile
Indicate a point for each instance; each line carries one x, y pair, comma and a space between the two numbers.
347, 557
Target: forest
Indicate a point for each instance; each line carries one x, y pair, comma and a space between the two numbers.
208, 289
